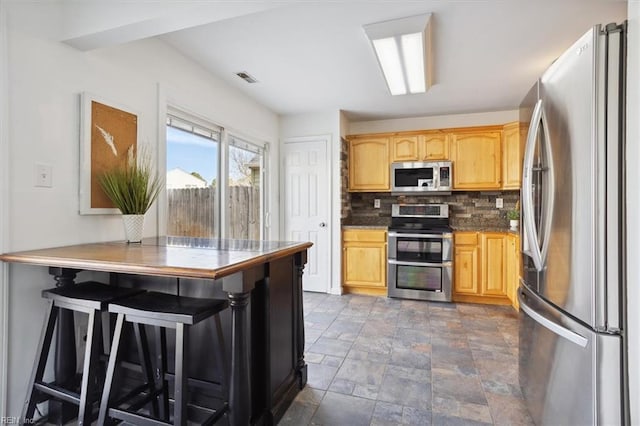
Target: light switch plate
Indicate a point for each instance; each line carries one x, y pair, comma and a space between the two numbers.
44, 177
499, 203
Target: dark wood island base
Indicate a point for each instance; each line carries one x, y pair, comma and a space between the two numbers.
263, 329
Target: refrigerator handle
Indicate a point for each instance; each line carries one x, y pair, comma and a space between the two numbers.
530, 245
548, 190
550, 324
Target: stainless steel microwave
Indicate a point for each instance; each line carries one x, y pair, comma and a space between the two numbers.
421, 177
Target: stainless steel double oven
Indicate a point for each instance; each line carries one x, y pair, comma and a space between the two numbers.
420, 252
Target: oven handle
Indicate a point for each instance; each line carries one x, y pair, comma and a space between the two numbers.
444, 236
439, 265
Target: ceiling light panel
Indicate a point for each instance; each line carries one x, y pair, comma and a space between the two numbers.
389, 57
413, 54
403, 50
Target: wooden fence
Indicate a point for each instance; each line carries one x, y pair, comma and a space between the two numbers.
192, 212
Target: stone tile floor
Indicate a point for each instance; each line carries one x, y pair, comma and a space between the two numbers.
380, 361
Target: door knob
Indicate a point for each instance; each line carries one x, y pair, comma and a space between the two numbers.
323, 225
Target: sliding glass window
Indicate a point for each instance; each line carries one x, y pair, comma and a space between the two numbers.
206, 164
193, 163
245, 189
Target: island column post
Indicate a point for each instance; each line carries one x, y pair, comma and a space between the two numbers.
238, 287
300, 259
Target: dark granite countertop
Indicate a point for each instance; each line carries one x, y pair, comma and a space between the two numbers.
479, 224
458, 224
484, 229
364, 227
366, 222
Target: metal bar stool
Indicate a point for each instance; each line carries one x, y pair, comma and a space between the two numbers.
166, 311
91, 298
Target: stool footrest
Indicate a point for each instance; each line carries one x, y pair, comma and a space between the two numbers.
132, 393
58, 392
144, 400
135, 418
207, 385
217, 415
128, 365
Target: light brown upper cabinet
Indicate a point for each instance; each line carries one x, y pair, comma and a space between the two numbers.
434, 146
369, 164
476, 157
404, 148
429, 146
512, 151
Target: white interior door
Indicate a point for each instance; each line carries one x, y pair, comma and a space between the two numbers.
307, 200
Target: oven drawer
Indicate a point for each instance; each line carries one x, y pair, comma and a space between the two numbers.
422, 281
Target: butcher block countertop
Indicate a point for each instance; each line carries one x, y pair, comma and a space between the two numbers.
163, 256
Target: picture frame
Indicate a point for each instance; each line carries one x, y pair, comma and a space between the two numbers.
107, 131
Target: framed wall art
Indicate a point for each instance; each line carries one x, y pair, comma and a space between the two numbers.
107, 132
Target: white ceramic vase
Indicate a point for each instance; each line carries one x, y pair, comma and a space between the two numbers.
133, 225
513, 224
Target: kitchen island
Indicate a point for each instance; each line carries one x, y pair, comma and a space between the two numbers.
264, 327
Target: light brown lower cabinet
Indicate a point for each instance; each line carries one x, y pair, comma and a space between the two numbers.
466, 261
485, 267
514, 268
364, 261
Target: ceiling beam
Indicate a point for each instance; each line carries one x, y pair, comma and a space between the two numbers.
186, 15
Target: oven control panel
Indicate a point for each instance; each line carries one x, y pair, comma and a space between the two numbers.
420, 210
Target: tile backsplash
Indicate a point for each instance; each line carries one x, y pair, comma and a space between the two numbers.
466, 209
345, 196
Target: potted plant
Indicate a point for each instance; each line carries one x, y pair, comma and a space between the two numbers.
132, 187
514, 219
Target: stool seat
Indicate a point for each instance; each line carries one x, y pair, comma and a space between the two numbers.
168, 307
89, 294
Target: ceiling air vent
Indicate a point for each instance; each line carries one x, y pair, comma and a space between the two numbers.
246, 77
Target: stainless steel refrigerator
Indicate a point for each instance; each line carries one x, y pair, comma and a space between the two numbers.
572, 345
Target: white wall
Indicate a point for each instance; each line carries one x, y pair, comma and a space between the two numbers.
344, 125
4, 207
434, 122
46, 78
316, 124
633, 207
